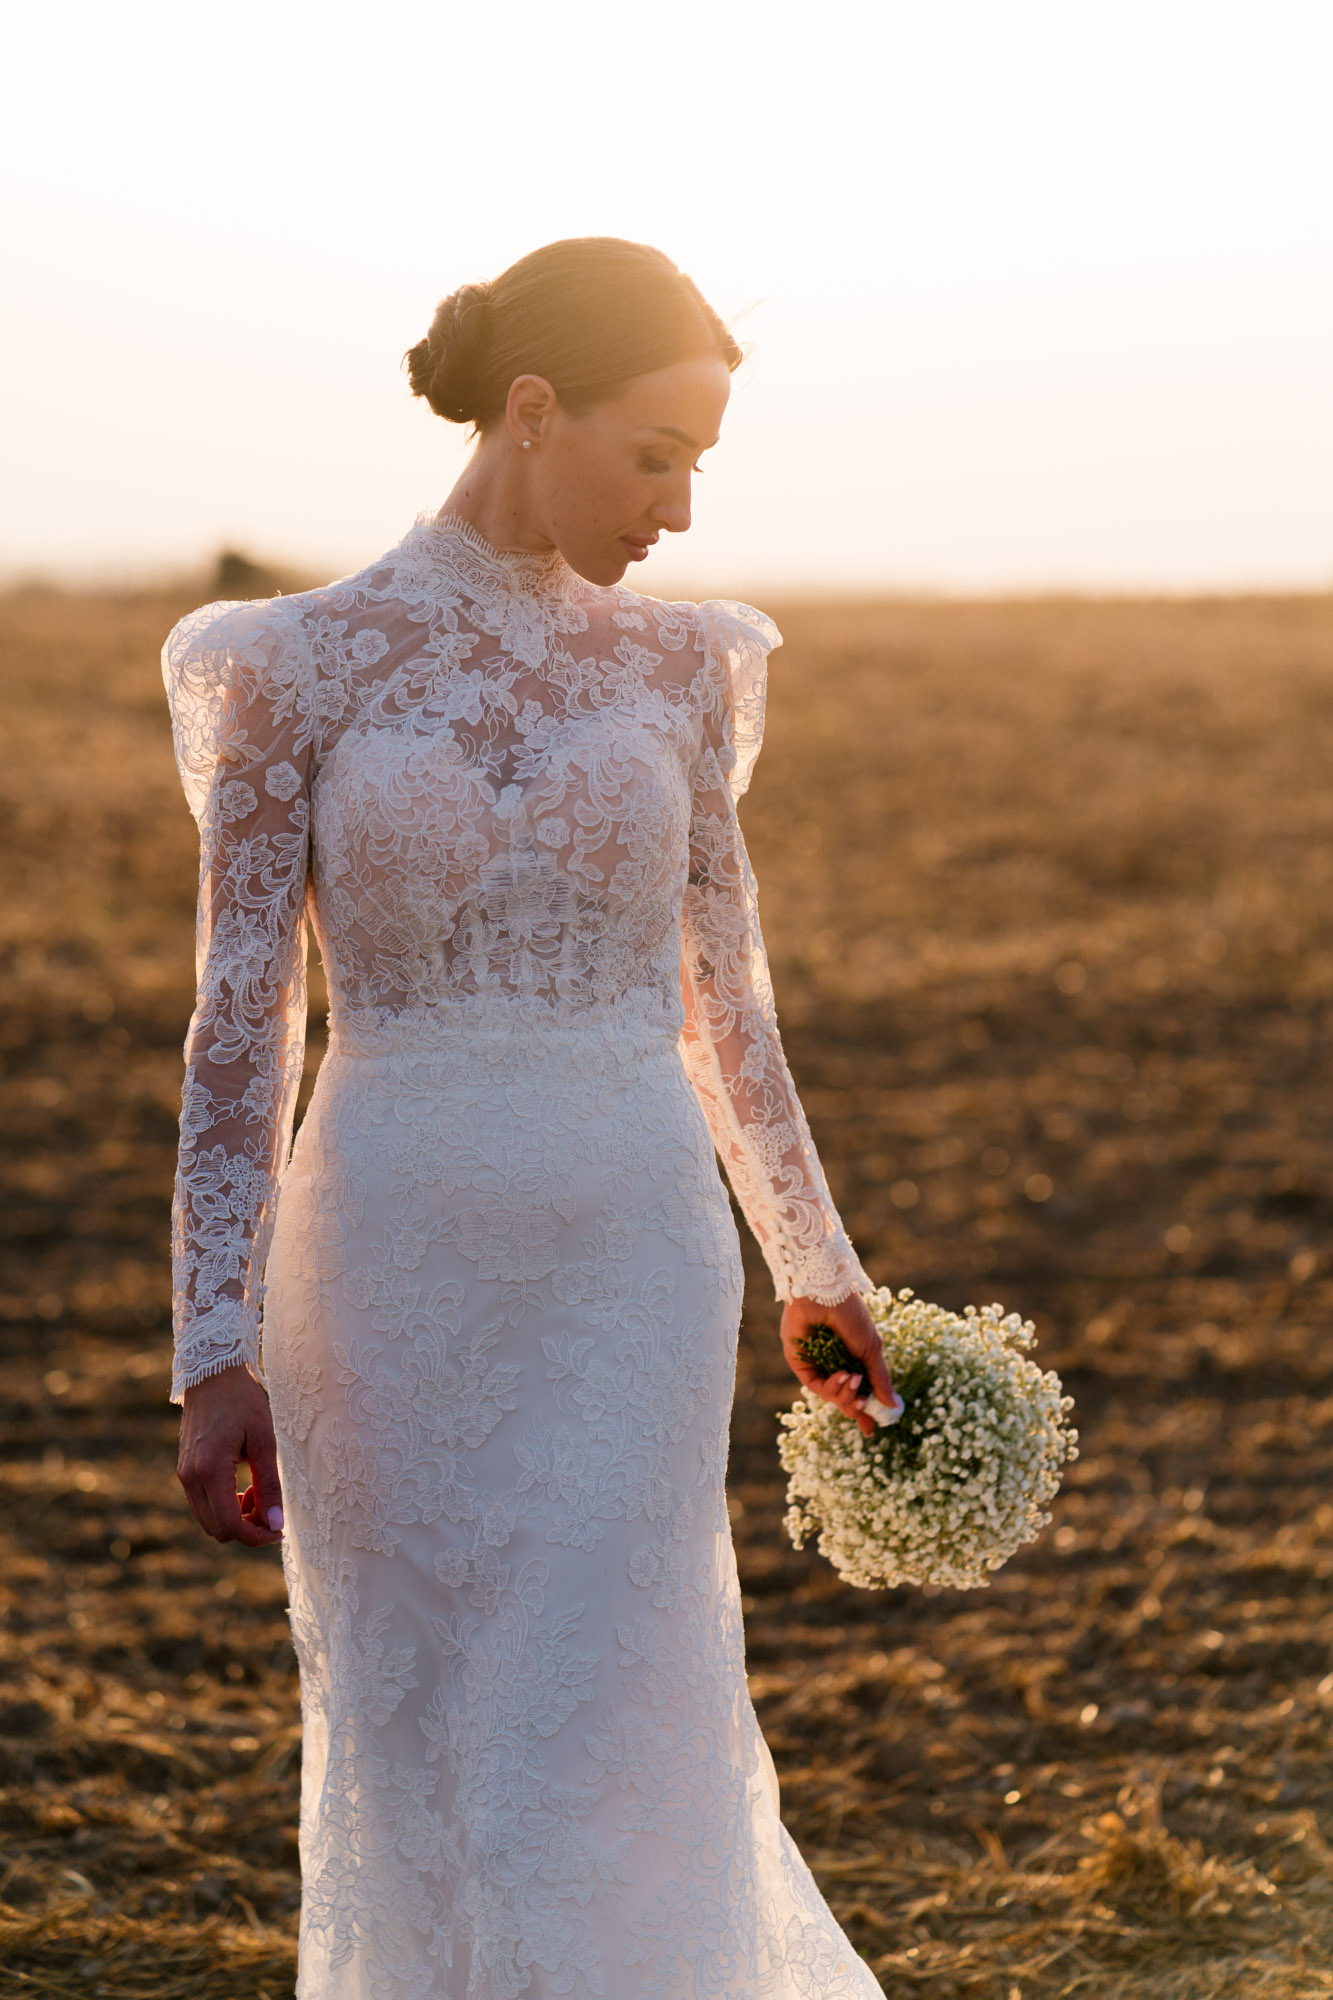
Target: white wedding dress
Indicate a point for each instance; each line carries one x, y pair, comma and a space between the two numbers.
499, 1275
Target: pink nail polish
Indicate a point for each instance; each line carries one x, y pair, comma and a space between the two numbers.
275, 1519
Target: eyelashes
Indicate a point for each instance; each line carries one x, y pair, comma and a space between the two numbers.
655, 465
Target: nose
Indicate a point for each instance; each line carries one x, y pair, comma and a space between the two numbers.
673, 513
673, 516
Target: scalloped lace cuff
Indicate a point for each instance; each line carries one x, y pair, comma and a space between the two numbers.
211, 1341
828, 1275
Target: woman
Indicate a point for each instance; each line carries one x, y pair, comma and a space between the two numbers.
501, 1283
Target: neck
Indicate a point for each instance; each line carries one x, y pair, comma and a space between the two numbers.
493, 497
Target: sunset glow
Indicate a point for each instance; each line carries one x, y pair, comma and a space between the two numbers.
1035, 295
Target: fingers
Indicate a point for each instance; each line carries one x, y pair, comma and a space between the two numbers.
251, 1526
875, 1382
226, 1421
223, 1501
845, 1392
197, 1507
207, 1482
256, 1520
234, 1514
862, 1338
262, 1453
222, 1512
881, 1382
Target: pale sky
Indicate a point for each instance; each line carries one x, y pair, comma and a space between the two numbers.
1036, 294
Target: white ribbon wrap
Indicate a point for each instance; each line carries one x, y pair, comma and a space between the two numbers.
884, 1413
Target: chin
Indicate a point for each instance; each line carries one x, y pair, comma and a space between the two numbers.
602, 570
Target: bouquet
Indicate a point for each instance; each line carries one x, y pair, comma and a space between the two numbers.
956, 1477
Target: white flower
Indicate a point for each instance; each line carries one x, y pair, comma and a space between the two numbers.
235, 800
946, 1495
282, 781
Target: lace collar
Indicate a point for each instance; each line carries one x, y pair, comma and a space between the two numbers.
525, 601
492, 574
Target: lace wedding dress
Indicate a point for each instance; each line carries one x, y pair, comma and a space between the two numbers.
500, 1278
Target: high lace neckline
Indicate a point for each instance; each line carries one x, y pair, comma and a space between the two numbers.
519, 572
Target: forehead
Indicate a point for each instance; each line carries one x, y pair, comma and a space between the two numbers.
684, 402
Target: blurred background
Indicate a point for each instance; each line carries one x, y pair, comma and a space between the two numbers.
1030, 462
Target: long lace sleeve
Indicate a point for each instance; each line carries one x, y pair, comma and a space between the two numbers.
730, 1043
241, 727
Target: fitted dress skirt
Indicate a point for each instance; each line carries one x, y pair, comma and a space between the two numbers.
500, 1331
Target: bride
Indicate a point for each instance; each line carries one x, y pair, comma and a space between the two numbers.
499, 1279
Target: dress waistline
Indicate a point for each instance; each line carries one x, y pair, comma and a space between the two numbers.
633, 1027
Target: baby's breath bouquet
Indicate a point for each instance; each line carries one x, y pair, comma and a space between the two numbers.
950, 1485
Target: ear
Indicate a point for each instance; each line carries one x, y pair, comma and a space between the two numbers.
528, 408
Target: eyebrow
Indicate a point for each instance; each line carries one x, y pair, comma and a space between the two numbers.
681, 437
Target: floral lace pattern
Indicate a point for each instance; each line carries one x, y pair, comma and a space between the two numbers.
498, 1276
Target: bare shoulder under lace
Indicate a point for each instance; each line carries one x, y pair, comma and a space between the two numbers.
451, 765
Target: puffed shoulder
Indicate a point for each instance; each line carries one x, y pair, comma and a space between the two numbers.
235, 673
740, 639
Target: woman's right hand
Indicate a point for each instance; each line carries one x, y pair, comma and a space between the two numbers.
225, 1423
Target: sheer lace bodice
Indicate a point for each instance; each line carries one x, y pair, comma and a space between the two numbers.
505, 798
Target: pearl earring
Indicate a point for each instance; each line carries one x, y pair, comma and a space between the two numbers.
527, 444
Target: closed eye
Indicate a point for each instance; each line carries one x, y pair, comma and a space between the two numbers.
659, 465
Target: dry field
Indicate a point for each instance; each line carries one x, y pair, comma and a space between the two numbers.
1047, 891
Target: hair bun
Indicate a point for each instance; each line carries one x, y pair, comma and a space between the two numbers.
448, 366
585, 315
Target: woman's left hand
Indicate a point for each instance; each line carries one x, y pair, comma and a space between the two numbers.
850, 1320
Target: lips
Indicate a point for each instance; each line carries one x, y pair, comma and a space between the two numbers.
638, 545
